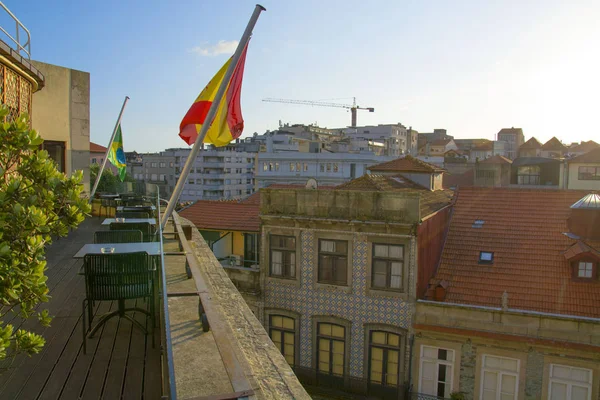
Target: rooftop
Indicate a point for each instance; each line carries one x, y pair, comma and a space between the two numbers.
405, 164
224, 215
554, 145
524, 231
510, 131
532, 143
96, 148
430, 201
497, 159
592, 156
584, 147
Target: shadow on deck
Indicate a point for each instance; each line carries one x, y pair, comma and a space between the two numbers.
120, 361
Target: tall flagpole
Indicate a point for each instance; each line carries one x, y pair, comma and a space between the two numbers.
112, 138
211, 115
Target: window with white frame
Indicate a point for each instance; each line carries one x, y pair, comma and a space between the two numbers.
436, 371
569, 383
585, 269
499, 378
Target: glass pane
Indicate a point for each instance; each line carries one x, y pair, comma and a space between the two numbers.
288, 338
379, 280
341, 247
396, 252
381, 250
489, 395
276, 321
340, 270
579, 393
325, 329
560, 371
290, 243
327, 245
379, 267
323, 366
392, 367
504, 396
338, 347
288, 323
442, 372
393, 340
337, 331
558, 391
509, 364
395, 282
393, 356
276, 338
375, 377
430, 352
288, 350
378, 337
289, 359
508, 384
581, 375
324, 345
427, 370
428, 386
397, 268
376, 354
391, 378
489, 380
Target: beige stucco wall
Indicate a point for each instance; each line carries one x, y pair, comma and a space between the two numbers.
61, 112
575, 183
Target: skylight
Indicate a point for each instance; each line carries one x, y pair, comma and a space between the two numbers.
486, 257
478, 223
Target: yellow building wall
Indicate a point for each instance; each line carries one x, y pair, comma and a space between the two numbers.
61, 112
238, 243
575, 183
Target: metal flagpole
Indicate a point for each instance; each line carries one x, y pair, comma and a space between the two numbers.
210, 116
112, 138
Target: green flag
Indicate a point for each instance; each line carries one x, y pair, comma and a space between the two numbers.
116, 155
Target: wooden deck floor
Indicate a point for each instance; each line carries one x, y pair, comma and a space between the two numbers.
120, 361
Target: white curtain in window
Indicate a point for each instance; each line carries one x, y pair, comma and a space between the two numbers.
276, 258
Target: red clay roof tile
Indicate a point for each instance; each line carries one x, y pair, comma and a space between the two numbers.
524, 229
405, 164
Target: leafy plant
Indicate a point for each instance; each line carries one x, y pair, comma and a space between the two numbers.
37, 202
109, 182
457, 396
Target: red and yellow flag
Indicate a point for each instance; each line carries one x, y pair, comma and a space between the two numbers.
228, 123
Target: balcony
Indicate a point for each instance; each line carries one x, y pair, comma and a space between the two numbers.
208, 342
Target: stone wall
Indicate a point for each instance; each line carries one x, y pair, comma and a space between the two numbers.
393, 207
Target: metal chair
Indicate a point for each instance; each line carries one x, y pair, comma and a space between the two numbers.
144, 227
132, 214
118, 277
132, 202
118, 236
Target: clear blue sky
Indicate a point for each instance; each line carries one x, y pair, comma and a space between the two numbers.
471, 67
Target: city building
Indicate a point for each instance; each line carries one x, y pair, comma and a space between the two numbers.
341, 270
582, 172
493, 172
437, 134
512, 312
222, 173
514, 138
97, 154
481, 151
553, 148
531, 148
437, 148
577, 149
535, 171
397, 140
157, 169
420, 172
326, 168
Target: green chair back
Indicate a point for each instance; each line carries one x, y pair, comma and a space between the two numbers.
118, 276
118, 236
132, 214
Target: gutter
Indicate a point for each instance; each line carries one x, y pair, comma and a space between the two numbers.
511, 311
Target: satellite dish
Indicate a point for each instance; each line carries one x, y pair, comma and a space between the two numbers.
312, 184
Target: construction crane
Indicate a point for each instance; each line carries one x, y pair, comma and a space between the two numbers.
353, 107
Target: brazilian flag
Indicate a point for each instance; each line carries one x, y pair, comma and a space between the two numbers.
116, 155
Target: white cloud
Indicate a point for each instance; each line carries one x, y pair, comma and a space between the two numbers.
222, 47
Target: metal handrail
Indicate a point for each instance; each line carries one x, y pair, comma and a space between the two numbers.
168, 345
26, 48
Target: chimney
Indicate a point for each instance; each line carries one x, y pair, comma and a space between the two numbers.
440, 291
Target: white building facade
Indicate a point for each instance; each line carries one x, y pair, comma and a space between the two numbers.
326, 168
398, 140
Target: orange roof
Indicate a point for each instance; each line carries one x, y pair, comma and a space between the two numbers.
405, 164
554, 144
223, 215
524, 229
584, 147
96, 148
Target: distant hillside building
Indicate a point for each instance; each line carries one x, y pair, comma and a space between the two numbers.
553, 148
531, 148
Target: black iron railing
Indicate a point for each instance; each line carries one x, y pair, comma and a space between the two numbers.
347, 387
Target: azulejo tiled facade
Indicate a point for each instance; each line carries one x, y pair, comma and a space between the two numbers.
355, 305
